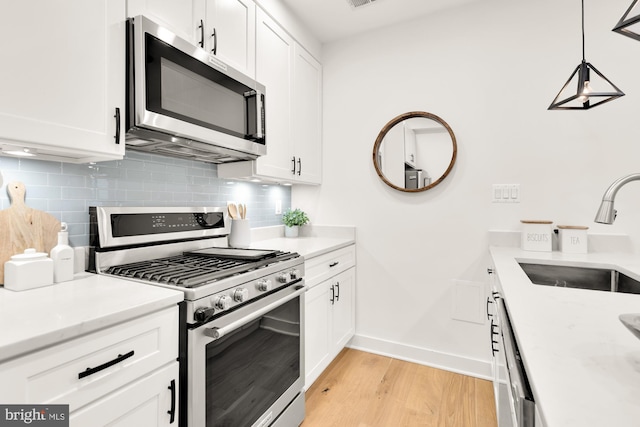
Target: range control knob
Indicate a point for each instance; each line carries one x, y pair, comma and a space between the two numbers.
241, 294
264, 285
203, 314
223, 302
283, 277
295, 274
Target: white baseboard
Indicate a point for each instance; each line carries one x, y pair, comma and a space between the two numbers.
448, 362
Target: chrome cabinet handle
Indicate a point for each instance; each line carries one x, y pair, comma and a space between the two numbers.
338, 294
333, 295
333, 264
201, 26
293, 160
489, 302
299, 166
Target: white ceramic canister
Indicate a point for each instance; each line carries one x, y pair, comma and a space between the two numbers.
28, 270
240, 234
536, 235
572, 239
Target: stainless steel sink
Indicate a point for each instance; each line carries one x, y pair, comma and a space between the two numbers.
598, 279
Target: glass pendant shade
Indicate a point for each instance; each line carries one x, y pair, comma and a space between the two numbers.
629, 24
586, 88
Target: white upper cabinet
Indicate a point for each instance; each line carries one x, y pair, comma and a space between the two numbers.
225, 28
176, 16
293, 81
62, 79
274, 69
410, 147
307, 116
230, 33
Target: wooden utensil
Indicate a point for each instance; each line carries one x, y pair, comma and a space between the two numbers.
241, 210
233, 210
22, 227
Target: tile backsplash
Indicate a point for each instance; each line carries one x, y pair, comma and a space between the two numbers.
66, 190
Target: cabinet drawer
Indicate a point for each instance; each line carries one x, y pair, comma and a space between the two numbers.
86, 368
325, 266
148, 402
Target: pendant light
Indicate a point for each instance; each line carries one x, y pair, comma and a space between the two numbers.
591, 86
630, 26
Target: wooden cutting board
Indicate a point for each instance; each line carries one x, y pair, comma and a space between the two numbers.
22, 227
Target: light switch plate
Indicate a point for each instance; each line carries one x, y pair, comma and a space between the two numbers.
505, 193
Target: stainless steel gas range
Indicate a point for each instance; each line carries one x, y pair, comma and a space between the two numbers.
241, 342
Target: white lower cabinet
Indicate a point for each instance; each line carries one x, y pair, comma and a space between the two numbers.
329, 309
114, 375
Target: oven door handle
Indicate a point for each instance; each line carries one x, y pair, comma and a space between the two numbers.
217, 333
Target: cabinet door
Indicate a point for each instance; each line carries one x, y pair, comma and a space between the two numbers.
62, 77
274, 64
231, 33
151, 402
343, 310
410, 147
307, 116
317, 329
176, 16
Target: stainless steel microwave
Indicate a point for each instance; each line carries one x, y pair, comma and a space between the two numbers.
184, 102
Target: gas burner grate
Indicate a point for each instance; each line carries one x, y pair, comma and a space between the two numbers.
181, 270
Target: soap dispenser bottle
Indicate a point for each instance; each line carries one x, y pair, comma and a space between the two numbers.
62, 256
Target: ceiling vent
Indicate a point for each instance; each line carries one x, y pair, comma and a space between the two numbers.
358, 3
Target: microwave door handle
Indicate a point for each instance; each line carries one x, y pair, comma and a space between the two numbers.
260, 132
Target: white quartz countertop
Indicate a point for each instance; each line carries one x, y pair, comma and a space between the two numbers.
312, 242
308, 247
41, 317
582, 363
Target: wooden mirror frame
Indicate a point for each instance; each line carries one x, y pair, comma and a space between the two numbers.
399, 119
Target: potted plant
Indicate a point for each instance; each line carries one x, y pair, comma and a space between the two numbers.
292, 220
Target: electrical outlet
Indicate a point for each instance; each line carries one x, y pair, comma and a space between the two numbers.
278, 207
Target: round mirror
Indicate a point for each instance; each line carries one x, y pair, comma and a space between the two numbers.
414, 151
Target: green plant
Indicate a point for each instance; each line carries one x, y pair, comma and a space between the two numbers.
294, 217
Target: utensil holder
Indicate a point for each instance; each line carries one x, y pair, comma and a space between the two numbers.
240, 234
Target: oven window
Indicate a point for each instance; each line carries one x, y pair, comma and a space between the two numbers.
250, 368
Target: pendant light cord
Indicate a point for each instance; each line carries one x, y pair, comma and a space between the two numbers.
582, 30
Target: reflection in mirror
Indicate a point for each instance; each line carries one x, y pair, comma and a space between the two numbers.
414, 151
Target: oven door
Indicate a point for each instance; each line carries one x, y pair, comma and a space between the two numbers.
246, 367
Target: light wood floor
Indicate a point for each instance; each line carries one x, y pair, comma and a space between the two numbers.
366, 390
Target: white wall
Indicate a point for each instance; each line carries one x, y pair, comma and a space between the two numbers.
490, 70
